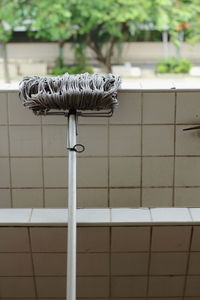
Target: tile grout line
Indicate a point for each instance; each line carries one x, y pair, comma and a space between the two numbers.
110, 277
100, 156
174, 159
141, 144
9, 153
149, 264
103, 125
32, 263
108, 162
42, 157
188, 262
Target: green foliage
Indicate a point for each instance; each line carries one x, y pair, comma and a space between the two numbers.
76, 69
51, 20
174, 65
9, 17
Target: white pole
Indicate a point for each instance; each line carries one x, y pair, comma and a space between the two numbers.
71, 254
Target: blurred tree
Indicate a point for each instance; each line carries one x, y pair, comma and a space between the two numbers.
176, 17
51, 21
8, 19
102, 24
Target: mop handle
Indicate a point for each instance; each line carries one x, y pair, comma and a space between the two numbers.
71, 248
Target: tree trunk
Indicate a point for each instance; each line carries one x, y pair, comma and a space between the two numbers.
165, 44
107, 66
179, 47
61, 54
5, 62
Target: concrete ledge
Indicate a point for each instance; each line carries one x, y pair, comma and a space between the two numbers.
100, 217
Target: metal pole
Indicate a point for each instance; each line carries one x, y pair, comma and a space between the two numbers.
71, 255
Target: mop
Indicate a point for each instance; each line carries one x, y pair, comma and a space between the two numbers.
71, 96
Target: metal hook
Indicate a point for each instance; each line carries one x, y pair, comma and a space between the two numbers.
191, 128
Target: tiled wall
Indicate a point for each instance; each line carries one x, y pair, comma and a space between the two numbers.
139, 157
114, 263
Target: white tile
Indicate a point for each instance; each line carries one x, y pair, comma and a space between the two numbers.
15, 239
129, 110
93, 239
166, 286
158, 140
92, 287
19, 287
5, 200
188, 298
187, 197
49, 264
169, 298
92, 172
54, 140
130, 215
158, 108
130, 239
93, 120
125, 171
128, 286
15, 216
4, 172
171, 238
18, 114
25, 141
15, 264
92, 198
193, 286
196, 239
168, 263
157, 197
187, 170
162, 170
4, 141
54, 287
92, 215
55, 172
49, 216
170, 214
93, 264
195, 213
194, 263
125, 197
135, 298
48, 239
129, 263
187, 107
187, 142
26, 172
56, 198
94, 138
3, 108
125, 140
27, 198
54, 120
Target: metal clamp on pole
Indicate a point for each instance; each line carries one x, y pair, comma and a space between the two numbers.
79, 148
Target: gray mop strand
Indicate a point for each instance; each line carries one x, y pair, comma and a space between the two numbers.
81, 92
70, 93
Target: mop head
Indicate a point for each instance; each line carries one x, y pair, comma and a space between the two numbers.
70, 92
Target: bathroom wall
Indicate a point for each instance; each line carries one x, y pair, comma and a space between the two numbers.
139, 157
